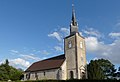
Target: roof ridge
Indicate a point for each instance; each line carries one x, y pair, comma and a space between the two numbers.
50, 58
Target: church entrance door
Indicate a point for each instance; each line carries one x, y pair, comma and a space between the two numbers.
71, 75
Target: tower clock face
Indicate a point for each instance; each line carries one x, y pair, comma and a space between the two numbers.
69, 44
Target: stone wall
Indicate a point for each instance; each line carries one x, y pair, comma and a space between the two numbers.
81, 55
75, 56
46, 74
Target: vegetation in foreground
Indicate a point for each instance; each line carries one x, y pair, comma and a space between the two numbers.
98, 70
8, 72
102, 69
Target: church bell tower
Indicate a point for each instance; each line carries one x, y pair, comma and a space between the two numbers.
75, 52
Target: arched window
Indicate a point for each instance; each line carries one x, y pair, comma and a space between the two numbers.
71, 75
28, 76
69, 44
81, 44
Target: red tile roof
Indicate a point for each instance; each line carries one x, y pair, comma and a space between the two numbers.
51, 63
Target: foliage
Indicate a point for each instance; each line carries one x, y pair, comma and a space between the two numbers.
101, 69
107, 67
94, 71
118, 73
8, 72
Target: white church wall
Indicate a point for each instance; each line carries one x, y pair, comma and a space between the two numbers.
25, 77
29, 76
32, 76
47, 74
63, 71
43, 75
70, 56
81, 55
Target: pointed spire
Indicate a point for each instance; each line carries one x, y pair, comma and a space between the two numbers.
73, 25
74, 22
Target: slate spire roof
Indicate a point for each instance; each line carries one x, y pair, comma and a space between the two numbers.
73, 24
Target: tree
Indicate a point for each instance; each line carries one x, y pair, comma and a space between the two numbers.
8, 72
118, 73
107, 67
4, 70
15, 74
94, 71
101, 69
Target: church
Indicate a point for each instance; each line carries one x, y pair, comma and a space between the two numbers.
70, 65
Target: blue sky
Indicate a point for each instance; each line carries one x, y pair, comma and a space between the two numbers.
32, 30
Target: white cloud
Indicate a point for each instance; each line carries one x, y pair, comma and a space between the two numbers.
30, 56
95, 58
114, 35
66, 31
118, 24
87, 62
60, 33
91, 43
14, 51
44, 52
44, 58
92, 32
95, 45
81, 33
1, 62
100, 49
58, 48
25, 56
19, 62
55, 35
